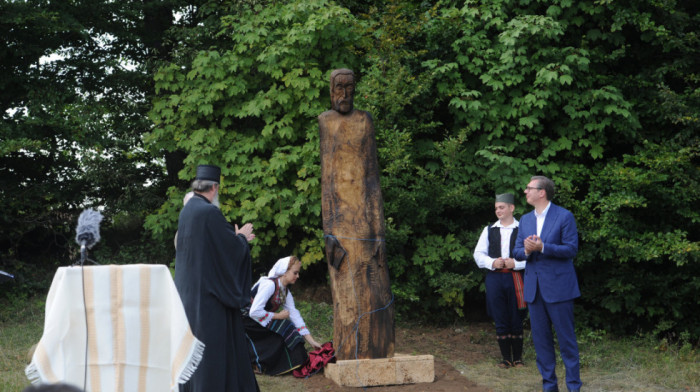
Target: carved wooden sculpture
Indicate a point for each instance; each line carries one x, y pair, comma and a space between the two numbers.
353, 224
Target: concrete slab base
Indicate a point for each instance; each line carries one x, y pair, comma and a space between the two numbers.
401, 369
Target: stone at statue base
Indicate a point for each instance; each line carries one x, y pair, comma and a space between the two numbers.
401, 369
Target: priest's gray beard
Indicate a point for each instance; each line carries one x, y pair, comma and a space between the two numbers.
215, 200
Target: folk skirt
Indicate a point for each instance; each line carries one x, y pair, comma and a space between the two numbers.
275, 349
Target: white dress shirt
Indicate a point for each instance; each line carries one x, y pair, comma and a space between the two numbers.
540, 221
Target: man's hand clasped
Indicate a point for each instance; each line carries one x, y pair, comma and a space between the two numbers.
533, 243
501, 263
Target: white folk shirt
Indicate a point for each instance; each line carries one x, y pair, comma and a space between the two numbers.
266, 289
481, 252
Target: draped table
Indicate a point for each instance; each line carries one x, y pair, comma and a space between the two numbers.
115, 328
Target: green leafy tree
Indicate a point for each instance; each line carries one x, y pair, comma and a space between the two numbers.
468, 99
249, 104
74, 96
425, 186
640, 264
578, 91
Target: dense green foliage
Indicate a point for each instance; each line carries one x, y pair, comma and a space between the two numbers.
250, 106
469, 98
74, 92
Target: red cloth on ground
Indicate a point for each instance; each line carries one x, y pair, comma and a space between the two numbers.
317, 360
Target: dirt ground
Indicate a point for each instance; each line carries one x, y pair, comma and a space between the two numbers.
444, 344
468, 344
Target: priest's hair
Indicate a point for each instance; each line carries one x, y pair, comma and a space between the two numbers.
202, 185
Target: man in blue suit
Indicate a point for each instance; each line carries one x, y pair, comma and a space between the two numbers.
548, 240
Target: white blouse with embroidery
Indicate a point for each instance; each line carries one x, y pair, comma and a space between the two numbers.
266, 289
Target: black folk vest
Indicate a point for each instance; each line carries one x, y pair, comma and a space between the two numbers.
495, 241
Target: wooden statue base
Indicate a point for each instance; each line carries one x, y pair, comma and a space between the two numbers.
401, 369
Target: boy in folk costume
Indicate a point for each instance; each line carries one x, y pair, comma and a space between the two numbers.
504, 281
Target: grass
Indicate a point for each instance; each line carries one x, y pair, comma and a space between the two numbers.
628, 368
639, 363
21, 325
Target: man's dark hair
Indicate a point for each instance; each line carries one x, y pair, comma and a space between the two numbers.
60, 387
546, 184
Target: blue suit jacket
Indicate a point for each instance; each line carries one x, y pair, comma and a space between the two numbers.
553, 270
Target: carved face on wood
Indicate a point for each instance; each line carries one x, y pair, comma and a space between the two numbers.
342, 90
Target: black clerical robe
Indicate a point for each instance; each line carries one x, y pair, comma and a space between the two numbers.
213, 277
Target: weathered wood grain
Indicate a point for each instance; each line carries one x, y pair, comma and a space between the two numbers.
353, 222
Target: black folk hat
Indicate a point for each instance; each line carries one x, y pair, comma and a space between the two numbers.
209, 173
505, 198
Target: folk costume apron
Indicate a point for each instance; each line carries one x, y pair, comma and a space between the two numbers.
277, 348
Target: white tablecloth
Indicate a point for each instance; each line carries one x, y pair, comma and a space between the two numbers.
138, 337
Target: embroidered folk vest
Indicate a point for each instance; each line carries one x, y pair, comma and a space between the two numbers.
276, 300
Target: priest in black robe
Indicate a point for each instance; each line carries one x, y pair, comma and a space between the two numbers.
213, 277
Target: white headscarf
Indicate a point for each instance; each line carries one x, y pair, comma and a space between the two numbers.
279, 269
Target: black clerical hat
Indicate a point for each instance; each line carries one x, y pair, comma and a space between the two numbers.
209, 173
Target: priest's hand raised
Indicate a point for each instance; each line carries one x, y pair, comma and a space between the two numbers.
247, 231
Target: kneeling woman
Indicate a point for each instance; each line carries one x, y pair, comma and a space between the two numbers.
276, 337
